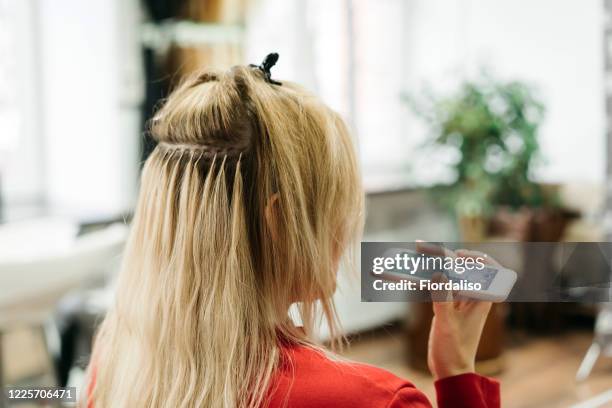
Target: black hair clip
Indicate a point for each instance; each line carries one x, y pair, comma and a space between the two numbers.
265, 66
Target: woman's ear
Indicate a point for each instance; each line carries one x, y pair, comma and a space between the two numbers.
271, 214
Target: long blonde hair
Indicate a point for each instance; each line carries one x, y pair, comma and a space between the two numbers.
246, 203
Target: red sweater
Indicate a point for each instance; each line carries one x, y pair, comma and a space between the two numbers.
309, 379
317, 381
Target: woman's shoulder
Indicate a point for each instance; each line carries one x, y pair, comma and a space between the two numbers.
313, 378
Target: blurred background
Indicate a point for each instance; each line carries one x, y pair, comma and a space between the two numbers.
475, 120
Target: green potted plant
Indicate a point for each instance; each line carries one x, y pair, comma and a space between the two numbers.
492, 126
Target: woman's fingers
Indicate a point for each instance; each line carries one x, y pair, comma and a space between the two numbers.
442, 294
466, 253
432, 249
463, 303
428, 248
477, 305
442, 299
447, 297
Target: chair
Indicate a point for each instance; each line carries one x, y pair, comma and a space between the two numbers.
602, 343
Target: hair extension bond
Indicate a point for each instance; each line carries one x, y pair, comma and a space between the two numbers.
246, 204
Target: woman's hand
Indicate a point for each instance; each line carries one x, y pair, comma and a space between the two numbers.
455, 330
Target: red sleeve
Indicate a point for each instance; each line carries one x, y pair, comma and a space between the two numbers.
467, 391
408, 396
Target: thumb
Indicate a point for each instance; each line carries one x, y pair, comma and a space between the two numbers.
442, 299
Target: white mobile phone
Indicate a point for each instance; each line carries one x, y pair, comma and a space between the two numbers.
488, 282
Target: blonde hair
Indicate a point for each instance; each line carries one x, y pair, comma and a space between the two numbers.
246, 204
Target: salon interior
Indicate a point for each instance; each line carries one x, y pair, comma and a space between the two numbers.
79, 81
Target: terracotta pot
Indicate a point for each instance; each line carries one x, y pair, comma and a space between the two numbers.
508, 224
529, 224
548, 224
472, 228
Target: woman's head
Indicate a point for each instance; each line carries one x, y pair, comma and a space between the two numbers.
294, 158
246, 204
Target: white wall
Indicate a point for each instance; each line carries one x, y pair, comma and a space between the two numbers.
311, 39
380, 36
20, 147
90, 142
555, 44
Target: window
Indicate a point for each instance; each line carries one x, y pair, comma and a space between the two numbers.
20, 141
70, 94
360, 56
